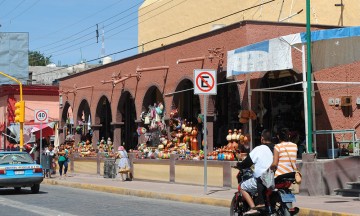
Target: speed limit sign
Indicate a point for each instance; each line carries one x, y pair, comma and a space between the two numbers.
41, 116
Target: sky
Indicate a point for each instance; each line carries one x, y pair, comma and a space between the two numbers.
66, 29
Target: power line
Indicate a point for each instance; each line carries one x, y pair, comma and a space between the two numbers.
14, 9
24, 11
66, 27
110, 29
145, 19
164, 37
66, 38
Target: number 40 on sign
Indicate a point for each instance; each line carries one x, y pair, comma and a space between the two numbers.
41, 116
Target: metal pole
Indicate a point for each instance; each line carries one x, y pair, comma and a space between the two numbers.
205, 145
249, 105
305, 94
309, 90
332, 146
40, 141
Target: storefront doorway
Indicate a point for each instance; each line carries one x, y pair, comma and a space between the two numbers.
282, 109
186, 102
103, 117
83, 117
127, 111
227, 107
153, 98
67, 122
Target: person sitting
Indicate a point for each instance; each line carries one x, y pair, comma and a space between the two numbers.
285, 154
261, 157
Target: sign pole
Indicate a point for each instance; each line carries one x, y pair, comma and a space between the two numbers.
205, 84
41, 116
40, 141
205, 145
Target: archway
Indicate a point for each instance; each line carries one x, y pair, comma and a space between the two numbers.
152, 99
104, 118
127, 114
282, 109
83, 117
67, 120
152, 96
227, 107
186, 102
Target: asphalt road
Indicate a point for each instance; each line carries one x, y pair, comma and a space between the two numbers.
62, 201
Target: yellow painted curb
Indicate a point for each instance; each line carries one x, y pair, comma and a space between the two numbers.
142, 193
315, 212
177, 197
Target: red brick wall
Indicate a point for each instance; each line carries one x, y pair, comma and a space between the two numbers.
228, 38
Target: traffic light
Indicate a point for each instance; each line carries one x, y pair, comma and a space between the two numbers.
20, 111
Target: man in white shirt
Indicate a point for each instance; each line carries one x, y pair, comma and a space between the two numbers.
261, 157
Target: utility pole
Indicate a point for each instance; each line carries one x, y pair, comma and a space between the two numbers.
309, 75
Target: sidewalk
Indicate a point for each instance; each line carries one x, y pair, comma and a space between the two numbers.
324, 205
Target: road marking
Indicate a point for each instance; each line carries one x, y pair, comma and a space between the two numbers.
31, 208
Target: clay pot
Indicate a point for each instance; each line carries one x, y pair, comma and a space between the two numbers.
194, 144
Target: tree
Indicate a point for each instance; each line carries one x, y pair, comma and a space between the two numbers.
38, 59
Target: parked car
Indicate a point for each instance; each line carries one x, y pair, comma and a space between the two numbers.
17, 169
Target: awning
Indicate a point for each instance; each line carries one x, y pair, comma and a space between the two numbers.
30, 130
330, 48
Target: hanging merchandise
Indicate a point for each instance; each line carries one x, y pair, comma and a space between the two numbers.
153, 124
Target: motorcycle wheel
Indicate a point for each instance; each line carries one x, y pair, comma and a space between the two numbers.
234, 207
280, 208
237, 207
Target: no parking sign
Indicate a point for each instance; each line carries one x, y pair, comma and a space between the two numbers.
205, 82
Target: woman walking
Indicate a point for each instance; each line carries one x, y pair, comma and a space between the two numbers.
124, 163
63, 160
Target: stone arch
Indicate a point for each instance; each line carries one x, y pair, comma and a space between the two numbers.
152, 95
82, 117
103, 117
65, 116
126, 113
186, 102
67, 121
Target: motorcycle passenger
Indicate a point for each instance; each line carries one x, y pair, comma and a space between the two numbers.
284, 156
262, 157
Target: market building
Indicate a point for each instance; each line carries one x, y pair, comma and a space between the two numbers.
115, 97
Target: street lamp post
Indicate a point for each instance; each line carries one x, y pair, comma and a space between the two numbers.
21, 100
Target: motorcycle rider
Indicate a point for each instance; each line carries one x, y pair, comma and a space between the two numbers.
261, 157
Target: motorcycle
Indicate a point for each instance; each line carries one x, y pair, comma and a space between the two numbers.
278, 201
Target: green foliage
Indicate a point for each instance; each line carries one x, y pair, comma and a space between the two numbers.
38, 59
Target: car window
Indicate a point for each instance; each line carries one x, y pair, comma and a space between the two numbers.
16, 158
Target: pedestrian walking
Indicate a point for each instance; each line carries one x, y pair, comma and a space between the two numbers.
124, 164
63, 155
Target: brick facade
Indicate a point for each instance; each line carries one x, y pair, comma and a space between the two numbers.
167, 80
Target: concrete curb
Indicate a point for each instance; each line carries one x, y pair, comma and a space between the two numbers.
177, 197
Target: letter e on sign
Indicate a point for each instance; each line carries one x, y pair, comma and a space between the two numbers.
41, 116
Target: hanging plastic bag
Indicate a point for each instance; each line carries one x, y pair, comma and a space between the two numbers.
267, 179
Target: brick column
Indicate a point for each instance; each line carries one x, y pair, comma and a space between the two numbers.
95, 136
117, 126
